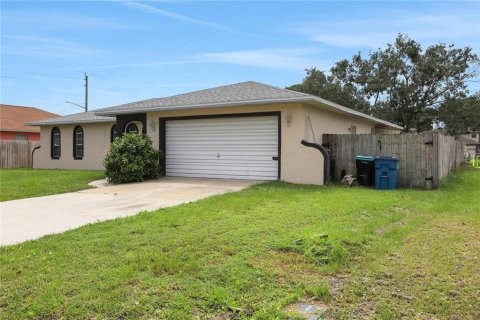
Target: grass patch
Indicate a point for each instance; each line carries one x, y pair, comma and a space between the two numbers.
366, 253
28, 183
320, 291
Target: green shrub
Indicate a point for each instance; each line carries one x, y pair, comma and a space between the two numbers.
475, 162
132, 158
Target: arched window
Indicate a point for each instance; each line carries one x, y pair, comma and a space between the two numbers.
132, 128
78, 143
55, 145
113, 133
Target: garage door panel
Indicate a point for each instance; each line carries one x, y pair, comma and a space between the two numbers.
227, 168
227, 138
229, 133
232, 161
241, 148
221, 142
223, 176
240, 173
227, 149
229, 154
226, 128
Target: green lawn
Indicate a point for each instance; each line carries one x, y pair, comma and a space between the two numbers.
364, 253
27, 183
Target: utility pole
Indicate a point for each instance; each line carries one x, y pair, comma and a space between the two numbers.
85, 106
86, 92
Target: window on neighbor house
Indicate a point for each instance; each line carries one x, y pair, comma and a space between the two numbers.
474, 135
113, 133
78, 143
132, 128
21, 137
55, 148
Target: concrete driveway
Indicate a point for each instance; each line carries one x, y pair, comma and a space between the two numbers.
28, 219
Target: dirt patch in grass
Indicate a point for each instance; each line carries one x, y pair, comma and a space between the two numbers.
307, 309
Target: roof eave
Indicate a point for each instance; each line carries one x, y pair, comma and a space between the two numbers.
107, 112
349, 111
40, 124
306, 99
18, 130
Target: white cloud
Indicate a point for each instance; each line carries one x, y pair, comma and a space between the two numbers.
155, 10
458, 27
280, 58
169, 14
46, 47
150, 64
54, 20
289, 58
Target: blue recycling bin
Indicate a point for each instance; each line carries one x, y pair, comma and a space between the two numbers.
386, 173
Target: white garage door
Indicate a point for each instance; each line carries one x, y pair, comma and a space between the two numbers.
230, 148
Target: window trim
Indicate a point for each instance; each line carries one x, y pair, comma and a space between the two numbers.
112, 136
52, 146
22, 136
75, 157
132, 124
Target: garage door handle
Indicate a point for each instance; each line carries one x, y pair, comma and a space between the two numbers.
274, 158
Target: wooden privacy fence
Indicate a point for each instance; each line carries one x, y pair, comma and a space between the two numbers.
424, 158
16, 154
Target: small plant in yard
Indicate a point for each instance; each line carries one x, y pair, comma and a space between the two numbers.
476, 162
132, 158
321, 291
318, 249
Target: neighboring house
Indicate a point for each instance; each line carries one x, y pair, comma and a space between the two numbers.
247, 130
13, 118
472, 143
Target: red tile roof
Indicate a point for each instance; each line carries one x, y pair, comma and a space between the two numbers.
13, 118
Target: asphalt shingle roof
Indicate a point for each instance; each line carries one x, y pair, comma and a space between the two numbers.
13, 118
82, 117
239, 92
243, 93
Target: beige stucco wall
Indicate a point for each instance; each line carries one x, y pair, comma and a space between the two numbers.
96, 143
319, 121
299, 164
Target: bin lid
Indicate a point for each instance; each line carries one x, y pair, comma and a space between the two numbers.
364, 158
386, 158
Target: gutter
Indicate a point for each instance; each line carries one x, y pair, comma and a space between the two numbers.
66, 122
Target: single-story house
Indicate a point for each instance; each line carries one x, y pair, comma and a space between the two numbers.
13, 118
247, 130
472, 143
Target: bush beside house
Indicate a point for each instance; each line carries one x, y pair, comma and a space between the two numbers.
132, 158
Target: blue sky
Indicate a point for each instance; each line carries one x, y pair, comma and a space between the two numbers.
147, 49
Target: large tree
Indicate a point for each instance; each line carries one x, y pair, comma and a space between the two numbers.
460, 115
327, 87
403, 83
